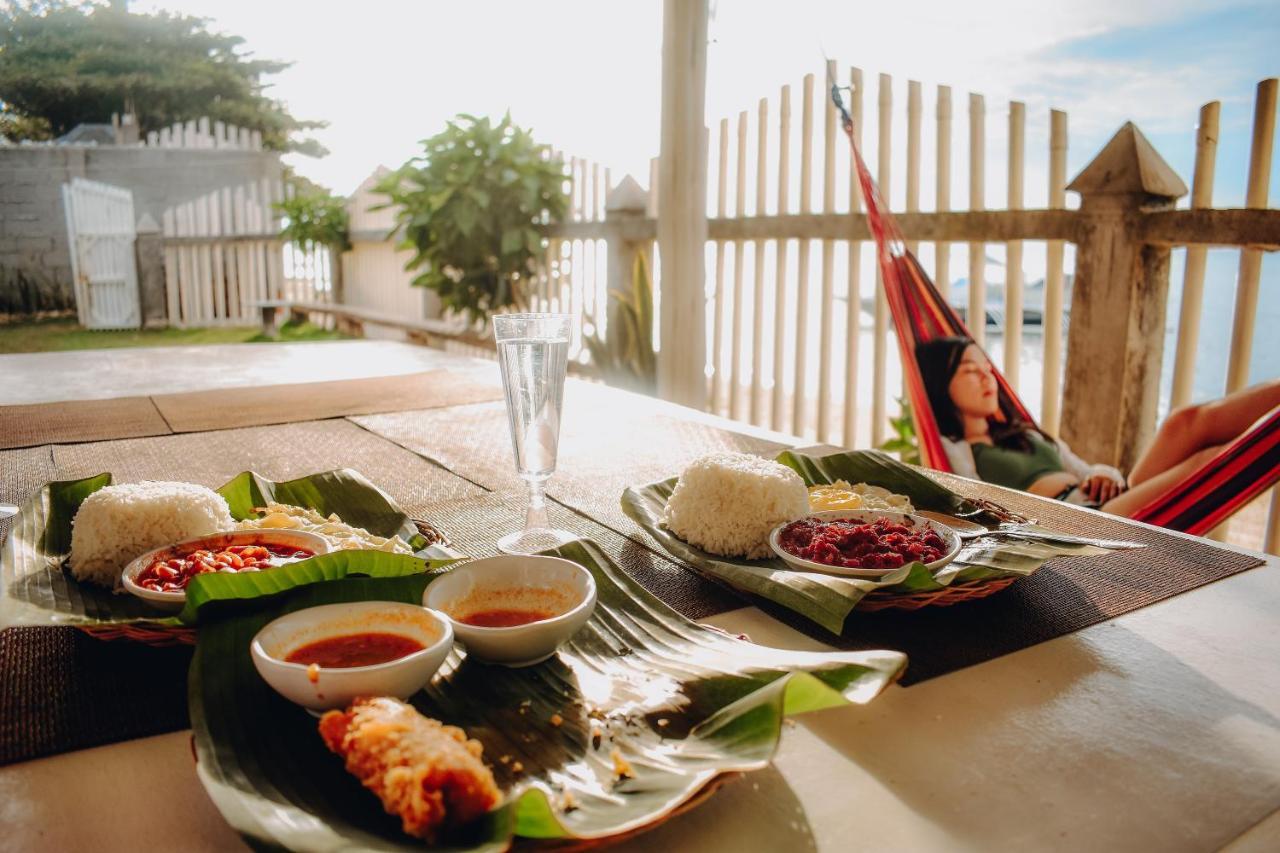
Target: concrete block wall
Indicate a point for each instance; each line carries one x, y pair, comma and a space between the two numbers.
35, 258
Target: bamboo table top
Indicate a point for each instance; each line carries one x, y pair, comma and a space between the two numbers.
1159, 728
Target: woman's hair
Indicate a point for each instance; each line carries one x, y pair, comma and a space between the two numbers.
939, 359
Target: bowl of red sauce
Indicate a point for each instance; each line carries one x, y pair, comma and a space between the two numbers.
324, 657
864, 543
161, 576
514, 610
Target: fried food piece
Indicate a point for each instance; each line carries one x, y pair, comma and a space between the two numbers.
426, 772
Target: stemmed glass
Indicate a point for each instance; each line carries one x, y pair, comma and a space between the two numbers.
533, 351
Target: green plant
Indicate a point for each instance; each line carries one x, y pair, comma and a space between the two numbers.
625, 357
315, 216
903, 442
470, 206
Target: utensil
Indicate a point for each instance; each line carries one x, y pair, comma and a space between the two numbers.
533, 352
7, 510
335, 687
867, 516
565, 588
966, 530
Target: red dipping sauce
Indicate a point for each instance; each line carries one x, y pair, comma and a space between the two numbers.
504, 617
348, 650
172, 573
881, 544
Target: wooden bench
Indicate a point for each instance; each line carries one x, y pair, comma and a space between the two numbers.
351, 319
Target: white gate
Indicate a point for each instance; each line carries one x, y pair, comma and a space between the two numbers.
101, 232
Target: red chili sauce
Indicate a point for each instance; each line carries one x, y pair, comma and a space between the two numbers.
350, 650
504, 617
173, 573
882, 544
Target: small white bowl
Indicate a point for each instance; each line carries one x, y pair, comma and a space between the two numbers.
335, 687
866, 516
561, 586
215, 541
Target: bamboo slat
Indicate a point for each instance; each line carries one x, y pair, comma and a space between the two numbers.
880, 342
977, 314
826, 318
778, 413
942, 198
717, 322
1184, 363
757, 309
1013, 249
853, 313
914, 111
802, 264
1051, 322
1264, 131
739, 258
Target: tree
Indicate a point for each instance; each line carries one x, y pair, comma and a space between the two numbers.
62, 64
469, 207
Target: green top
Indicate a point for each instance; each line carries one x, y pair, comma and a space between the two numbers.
1015, 468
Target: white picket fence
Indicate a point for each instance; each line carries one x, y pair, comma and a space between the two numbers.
202, 133
224, 256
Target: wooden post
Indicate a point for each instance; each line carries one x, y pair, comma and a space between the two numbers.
682, 215
1116, 339
148, 247
623, 205
1051, 322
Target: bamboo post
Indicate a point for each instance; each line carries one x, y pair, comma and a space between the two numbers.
624, 206
717, 305
826, 321
1264, 131
880, 343
757, 310
682, 215
853, 308
1271, 541
1116, 338
1184, 365
802, 264
977, 313
914, 110
780, 270
942, 202
739, 258
1051, 322
1013, 249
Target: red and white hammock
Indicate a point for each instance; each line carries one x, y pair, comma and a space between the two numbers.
1197, 504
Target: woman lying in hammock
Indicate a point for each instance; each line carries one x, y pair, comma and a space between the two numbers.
1009, 452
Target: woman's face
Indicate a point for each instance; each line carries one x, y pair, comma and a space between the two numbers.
973, 387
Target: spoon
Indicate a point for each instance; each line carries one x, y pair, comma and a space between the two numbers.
966, 529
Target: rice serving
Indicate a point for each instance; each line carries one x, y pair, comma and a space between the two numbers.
727, 503
118, 523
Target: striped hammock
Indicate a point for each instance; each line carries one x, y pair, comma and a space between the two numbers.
1197, 504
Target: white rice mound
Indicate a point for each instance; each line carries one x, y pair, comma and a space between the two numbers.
118, 523
727, 503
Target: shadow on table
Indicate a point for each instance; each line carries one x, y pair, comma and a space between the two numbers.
1138, 727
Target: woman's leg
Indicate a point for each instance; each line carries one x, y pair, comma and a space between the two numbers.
1148, 490
1188, 430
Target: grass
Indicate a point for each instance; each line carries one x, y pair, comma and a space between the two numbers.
58, 335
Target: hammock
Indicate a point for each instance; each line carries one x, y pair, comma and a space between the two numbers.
1196, 505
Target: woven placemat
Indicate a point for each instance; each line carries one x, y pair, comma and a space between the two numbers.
61, 690
1067, 594
82, 420
228, 408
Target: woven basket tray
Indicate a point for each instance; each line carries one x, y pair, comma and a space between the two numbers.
954, 594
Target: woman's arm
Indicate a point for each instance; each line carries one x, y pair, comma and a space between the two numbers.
1083, 470
960, 455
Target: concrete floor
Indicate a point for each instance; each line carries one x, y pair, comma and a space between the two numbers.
103, 374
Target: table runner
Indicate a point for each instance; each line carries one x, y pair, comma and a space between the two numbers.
61, 690
230, 408
1067, 594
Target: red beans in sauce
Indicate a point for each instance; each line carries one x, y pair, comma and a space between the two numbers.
881, 544
172, 573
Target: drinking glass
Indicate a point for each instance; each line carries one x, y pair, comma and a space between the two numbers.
533, 351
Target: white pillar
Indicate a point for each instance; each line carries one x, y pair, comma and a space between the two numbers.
682, 206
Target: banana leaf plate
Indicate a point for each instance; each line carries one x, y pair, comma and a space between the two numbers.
828, 600
36, 588
681, 704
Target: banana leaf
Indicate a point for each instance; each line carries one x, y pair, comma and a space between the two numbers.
37, 589
683, 705
828, 600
